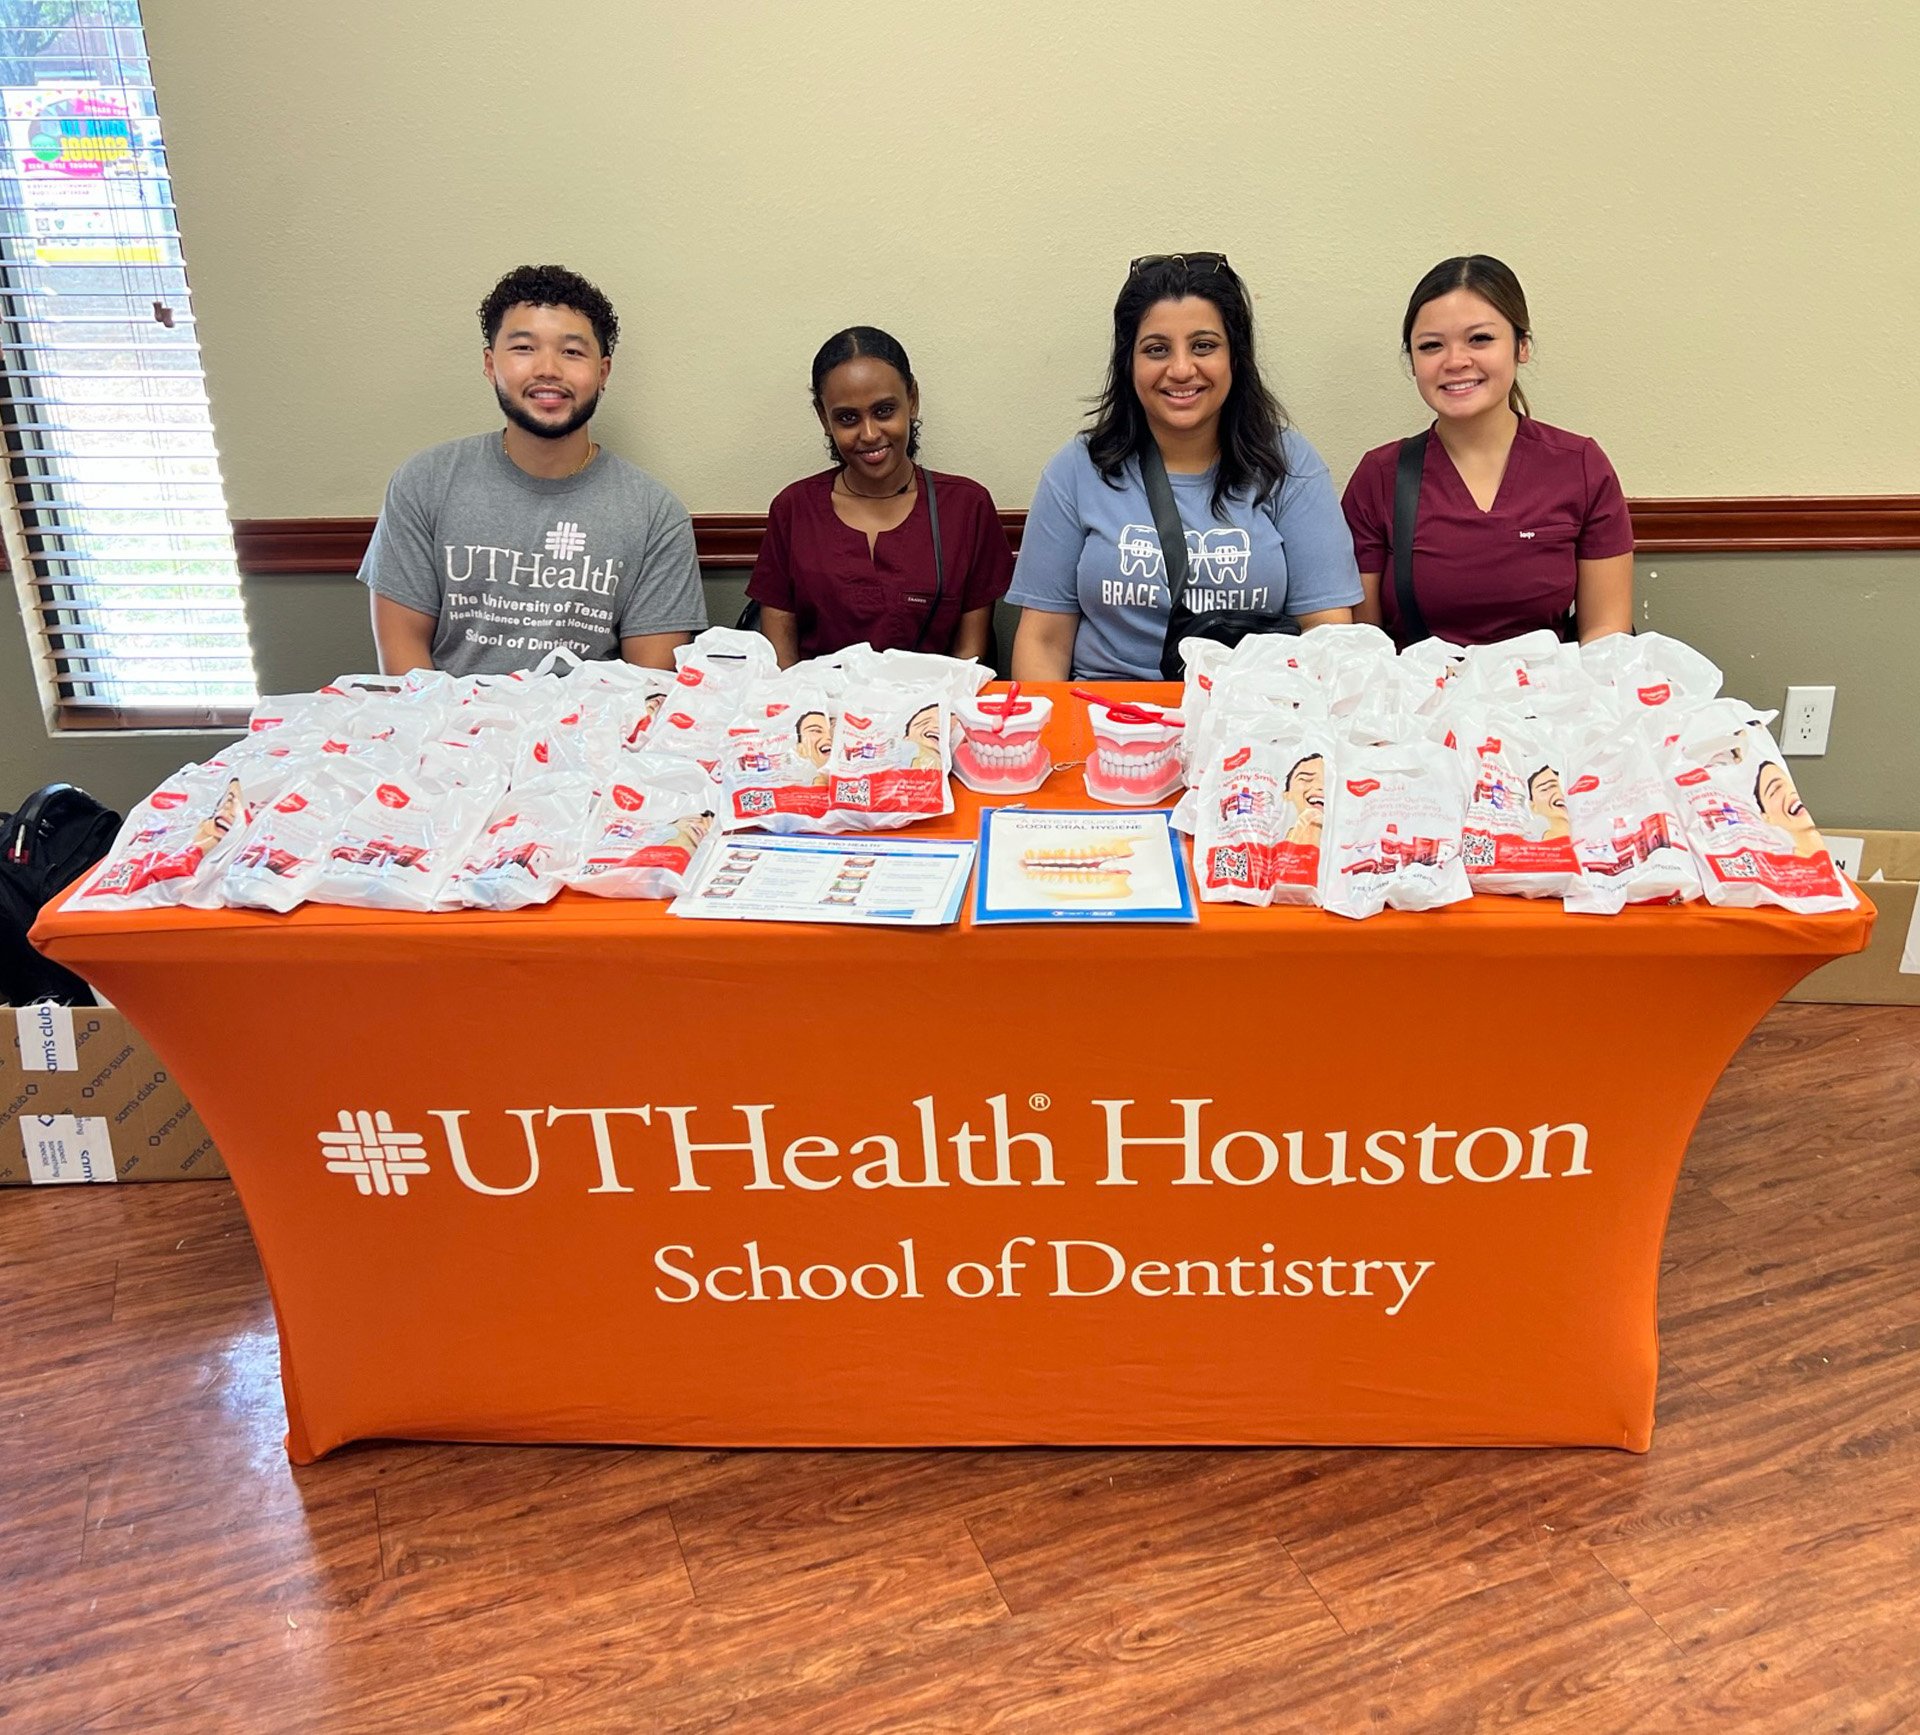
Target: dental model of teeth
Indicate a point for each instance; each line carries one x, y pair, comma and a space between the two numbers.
1136, 755
999, 750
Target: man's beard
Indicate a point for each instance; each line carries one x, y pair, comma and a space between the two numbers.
582, 414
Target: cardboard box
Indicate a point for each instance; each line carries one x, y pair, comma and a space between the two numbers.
83, 1098
1887, 973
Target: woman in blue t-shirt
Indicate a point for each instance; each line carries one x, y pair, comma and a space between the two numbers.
1262, 524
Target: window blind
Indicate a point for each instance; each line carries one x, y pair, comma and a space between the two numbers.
121, 540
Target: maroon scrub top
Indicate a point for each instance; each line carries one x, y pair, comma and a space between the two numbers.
1485, 576
819, 569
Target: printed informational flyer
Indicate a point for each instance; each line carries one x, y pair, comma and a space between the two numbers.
749, 878
1065, 865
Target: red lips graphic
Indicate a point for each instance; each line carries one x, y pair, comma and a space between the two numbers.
857, 722
290, 804
1655, 695
1690, 778
630, 799
1584, 785
1238, 759
392, 796
1362, 785
168, 798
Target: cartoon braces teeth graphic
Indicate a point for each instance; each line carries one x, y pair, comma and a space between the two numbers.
1140, 555
1133, 764
1219, 558
1083, 872
1000, 751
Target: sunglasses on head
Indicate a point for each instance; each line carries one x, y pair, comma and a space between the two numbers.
1188, 261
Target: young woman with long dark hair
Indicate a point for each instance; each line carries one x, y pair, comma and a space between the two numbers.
1518, 522
1261, 522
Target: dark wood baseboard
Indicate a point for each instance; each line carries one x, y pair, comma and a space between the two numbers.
1759, 524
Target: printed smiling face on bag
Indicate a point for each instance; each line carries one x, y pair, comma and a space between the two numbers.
1260, 824
1516, 838
889, 762
174, 847
774, 767
1744, 819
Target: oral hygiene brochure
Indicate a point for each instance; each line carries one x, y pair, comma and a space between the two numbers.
1075, 865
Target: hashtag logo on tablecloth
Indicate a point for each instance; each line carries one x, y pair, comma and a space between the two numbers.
379, 1159
565, 540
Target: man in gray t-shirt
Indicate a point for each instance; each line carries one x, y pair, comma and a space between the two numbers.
493, 550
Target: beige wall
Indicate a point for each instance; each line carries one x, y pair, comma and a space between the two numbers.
1711, 205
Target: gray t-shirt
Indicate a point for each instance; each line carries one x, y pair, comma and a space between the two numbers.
1090, 548
513, 565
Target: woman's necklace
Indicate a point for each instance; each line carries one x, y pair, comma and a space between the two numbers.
593, 451
846, 487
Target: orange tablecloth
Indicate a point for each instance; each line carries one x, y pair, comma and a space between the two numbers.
1278, 1177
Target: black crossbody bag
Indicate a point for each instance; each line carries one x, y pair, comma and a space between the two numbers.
1226, 626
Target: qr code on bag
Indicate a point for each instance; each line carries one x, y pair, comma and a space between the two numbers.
755, 800
1231, 868
854, 792
1477, 850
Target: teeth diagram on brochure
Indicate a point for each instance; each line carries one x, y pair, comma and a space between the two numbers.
1074, 865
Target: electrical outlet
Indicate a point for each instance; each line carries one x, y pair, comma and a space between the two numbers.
1805, 722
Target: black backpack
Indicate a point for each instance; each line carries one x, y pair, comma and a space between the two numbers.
56, 836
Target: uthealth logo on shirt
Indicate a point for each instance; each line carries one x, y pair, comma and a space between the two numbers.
570, 568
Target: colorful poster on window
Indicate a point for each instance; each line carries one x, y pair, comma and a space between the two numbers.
92, 188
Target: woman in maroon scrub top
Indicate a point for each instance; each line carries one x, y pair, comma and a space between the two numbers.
848, 555
1518, 522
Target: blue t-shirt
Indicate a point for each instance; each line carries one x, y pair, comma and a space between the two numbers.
1090, 549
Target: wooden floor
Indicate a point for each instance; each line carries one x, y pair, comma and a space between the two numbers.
165, 1568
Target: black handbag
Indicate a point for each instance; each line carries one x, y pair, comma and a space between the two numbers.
1225, 626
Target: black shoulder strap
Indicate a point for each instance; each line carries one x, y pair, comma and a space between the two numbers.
1406, 508
939, 564
1166, 521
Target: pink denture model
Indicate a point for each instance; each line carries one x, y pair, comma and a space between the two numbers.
1136, 755
999, 750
